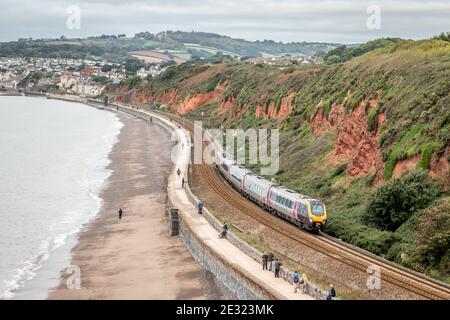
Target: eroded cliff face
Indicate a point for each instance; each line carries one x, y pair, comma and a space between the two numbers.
439, 168
195, 101
354, 144
272, 112
140, 98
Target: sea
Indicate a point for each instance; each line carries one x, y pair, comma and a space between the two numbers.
53, 165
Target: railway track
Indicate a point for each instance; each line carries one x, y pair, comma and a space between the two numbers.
351, 256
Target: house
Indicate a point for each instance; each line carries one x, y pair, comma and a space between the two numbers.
89, 71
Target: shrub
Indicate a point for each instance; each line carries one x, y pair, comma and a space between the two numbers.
427, 153
339, 170
433, 237
393, 203
372, 118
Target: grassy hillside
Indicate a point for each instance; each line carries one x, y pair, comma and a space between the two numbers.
186, 44
347, 129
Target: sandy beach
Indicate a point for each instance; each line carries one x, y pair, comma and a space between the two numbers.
135, 258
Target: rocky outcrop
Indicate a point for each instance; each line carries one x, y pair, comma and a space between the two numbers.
355, 144
439, 168
323, 124
271, 111
404, 166
195, 101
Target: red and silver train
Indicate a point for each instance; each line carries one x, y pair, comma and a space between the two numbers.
305, 212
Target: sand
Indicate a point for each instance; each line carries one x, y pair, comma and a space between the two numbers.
135, 258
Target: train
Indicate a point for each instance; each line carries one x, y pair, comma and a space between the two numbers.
303, 211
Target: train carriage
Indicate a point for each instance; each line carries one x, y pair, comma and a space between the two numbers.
237, 175
223, 164
256, 189
301, 210
282, 202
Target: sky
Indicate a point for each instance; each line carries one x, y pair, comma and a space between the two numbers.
338, 21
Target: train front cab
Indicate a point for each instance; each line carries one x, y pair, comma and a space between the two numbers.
317, 215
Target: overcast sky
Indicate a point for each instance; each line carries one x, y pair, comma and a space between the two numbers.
342, 21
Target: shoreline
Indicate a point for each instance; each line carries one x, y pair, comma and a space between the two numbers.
135, 258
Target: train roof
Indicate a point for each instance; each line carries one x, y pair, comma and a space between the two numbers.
241, 168
291, 194
259, 180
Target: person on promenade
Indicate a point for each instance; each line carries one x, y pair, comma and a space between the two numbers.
182, 182
304, 283
223, 234
331, 293
264, 260
296, 281
178, 172
277, 268
200, 207
270, 260
120, 213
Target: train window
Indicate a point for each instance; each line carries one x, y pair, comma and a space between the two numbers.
225, 167
237, 178
317, 208
301, 210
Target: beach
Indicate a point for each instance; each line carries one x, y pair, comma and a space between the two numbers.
135, 257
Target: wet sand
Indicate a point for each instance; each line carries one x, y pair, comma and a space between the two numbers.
135, 258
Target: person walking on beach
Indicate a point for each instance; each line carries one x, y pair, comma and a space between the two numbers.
264, 260
270, 260
120, 213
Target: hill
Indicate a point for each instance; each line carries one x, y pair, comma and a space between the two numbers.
182, 44
370, 137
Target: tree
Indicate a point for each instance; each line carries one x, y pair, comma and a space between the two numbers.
393, 203
132, 65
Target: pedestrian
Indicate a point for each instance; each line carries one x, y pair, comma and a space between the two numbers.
270, 260
200, 207
182, 182
120, 213
264, 260
331, 293
296, 281
223, 234
178, 172
277, 268
304, 283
